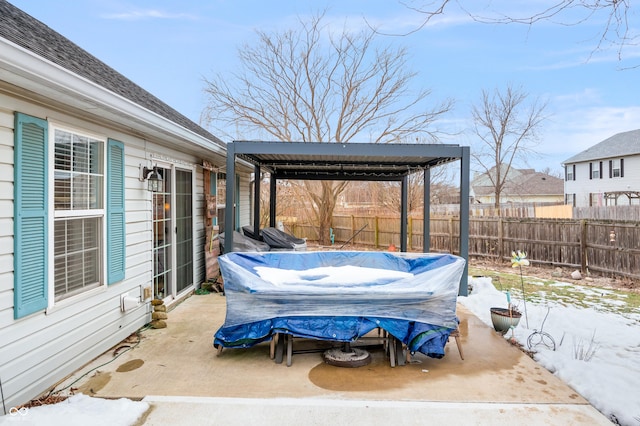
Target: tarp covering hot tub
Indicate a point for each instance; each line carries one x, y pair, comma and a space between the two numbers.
340, 296
244, 244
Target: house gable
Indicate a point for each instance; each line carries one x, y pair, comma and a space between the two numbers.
606, 173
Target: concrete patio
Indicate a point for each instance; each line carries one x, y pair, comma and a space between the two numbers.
178, 371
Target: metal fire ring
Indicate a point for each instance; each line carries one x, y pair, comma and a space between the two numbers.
347, 357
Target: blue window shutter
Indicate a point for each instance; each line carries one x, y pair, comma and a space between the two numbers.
116, 245
30, 215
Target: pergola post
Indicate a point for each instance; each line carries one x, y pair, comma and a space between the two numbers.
257, 181
404, 191
272, 200
426, 217
229, 213
464, 218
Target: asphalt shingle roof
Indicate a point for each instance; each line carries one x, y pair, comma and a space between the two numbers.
618, 145
31, 34
522, 182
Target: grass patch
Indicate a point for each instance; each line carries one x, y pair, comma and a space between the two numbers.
539, 290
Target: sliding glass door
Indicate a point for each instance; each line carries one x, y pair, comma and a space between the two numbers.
162, 237
184, 230
173, 233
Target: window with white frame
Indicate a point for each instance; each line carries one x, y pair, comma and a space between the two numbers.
595, 171
79, 181
570, 170
615, 168
570, 199
596, 199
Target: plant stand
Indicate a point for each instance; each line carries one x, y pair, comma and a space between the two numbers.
504, 319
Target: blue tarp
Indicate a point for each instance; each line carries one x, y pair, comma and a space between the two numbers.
411, 296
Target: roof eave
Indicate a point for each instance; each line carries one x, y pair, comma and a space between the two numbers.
24, 69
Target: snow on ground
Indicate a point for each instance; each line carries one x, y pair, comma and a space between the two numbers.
597, 352
79, 410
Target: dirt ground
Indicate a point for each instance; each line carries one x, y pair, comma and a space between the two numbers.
564, 274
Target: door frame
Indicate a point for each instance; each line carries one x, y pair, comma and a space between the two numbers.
172, 294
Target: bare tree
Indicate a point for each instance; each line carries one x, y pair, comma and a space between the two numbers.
616, 15
555, 173
506, 124
313, 84
389, 193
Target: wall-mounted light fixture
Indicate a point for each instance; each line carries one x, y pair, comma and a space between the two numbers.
153, 178
612, 236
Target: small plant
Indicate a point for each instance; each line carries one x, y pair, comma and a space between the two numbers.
585, 353
513, 309
519, 259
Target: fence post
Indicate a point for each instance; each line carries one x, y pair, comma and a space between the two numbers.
583, 245
353, 225
450, 234
376, 233
500, 239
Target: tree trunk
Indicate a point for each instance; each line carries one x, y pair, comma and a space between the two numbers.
325, 212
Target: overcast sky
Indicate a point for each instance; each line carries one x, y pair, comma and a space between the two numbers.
169, 46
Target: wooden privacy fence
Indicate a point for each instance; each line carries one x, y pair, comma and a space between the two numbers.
607, 247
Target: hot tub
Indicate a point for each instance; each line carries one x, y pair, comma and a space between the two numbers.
340, 296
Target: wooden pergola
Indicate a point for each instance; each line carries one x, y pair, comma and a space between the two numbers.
614, 195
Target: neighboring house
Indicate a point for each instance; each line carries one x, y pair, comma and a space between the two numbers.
522, 186
606, 174
79, 228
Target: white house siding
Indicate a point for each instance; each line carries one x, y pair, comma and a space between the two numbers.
40, 349
582, 186
6, 217
245, 200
